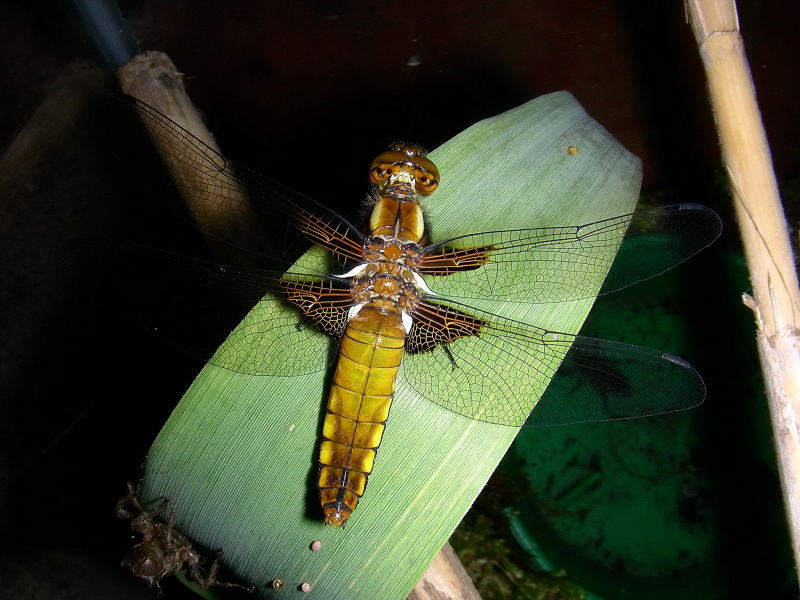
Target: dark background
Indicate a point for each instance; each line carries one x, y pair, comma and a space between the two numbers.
295, 89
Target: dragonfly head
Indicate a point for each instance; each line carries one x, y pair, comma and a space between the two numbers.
405, 161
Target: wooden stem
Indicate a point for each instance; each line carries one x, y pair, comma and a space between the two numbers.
152, 78
776, 299
445, 578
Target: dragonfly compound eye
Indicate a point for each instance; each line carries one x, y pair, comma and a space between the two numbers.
427, 178
385, 165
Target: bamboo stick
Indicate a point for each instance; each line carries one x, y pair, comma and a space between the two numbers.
776, 299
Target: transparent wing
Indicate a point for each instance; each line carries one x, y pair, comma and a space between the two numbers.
475, 363
500, 374
245, 319
220, 188
273, 340
254, 311
555, 264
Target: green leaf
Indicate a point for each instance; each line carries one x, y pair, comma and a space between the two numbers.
239, 453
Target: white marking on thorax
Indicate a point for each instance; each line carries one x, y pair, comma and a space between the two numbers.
408, 321
354, 310
354, 272
420, 283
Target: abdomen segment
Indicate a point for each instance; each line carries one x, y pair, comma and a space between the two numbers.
358, 406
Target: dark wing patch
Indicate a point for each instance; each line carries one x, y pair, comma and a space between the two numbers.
322, 302
445, 261
437, 324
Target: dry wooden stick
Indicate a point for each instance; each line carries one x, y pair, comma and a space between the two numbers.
776, 298
445, 579
153, 78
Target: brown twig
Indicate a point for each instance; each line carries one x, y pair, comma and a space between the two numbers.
445, 578
152, 78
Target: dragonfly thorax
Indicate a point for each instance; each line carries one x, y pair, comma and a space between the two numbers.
399, 175
388, 249
386, 283
398, 218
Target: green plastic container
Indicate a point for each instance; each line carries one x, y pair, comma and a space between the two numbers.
685, 505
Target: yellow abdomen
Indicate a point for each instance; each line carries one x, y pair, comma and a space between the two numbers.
358, 406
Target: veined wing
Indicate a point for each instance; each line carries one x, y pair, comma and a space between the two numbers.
555, 264
274, 339
494, 369
220, 187
272, 323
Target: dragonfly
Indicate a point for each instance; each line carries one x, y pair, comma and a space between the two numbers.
402, 308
